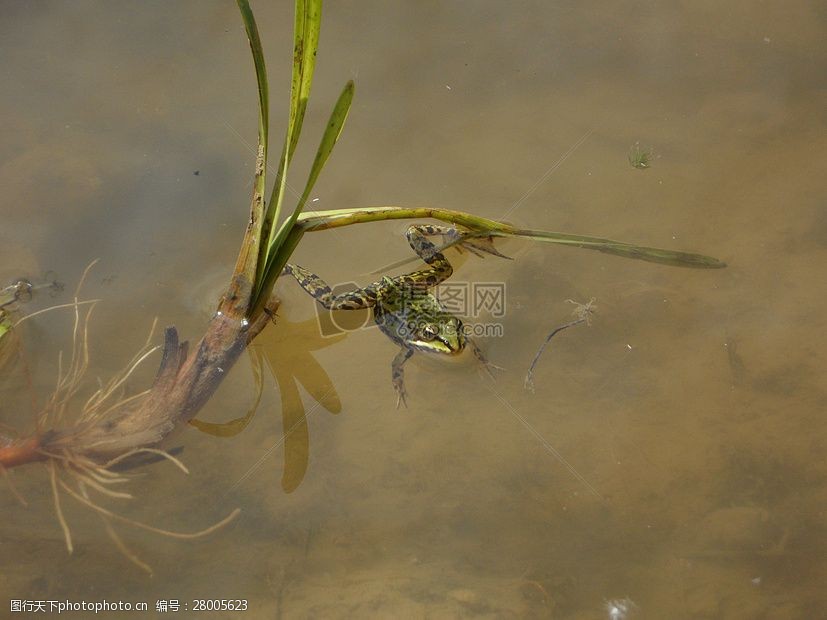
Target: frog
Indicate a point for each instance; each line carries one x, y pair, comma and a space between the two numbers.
404, 309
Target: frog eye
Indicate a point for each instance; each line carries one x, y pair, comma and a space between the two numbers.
430, 331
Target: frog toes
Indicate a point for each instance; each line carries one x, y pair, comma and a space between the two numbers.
401, 397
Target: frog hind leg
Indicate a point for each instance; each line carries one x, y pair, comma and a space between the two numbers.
398, 375
321, 291
439, 269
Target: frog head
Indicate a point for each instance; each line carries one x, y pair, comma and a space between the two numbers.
442, 334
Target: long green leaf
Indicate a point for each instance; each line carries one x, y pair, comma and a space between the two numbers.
331, 135
276, 262
305, 45
261, 78
247, 265
626, 250
322, 220
311, 19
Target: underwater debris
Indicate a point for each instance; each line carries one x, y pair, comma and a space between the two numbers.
640, 157
583, 314
620, 608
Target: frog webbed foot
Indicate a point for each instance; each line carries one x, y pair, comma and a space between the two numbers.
398, 376
401, 393
476, 245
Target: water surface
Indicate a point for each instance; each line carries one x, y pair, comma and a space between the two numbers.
692, 407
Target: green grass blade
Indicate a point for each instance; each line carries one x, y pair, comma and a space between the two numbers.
323, 220
306, 48
331, 135
275, 263
305, 45
247, 264
626, 250
607, 246
261, 77
284, 243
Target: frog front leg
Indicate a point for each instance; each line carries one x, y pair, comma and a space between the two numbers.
482, 359
398, 374
439, 269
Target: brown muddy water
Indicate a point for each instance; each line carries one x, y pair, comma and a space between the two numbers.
692, 410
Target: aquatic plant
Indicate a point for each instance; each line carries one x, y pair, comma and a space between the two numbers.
640, 157
82, 448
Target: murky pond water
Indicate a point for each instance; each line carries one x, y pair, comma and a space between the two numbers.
672, 454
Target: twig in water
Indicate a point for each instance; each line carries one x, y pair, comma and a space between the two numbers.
583, 314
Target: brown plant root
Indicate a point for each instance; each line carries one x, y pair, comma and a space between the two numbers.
74, 465
80, 446
77, 479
